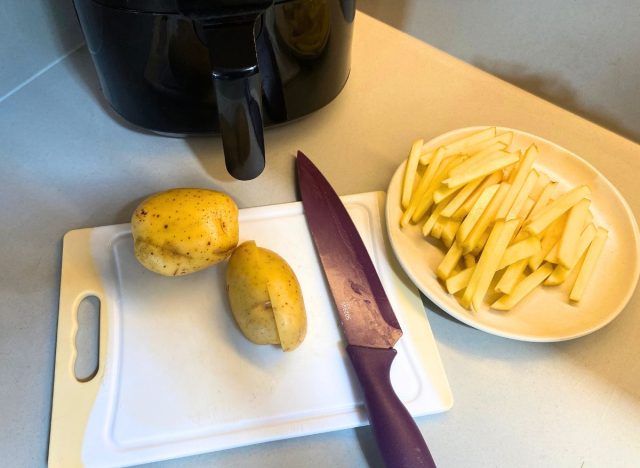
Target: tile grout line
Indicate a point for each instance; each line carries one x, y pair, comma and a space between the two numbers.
41, 72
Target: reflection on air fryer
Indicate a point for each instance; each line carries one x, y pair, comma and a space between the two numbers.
192, 67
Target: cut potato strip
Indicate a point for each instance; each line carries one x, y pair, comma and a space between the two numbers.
519, 251
459, 281
523, 288
511, 276
457, 146
549, 239
461, 212
427, 199
541, 183
460, 197
518, 179
410, 172
557, 208
449, 232
493, 152
568, 245
422, 188
504, 139
560, 273
488, 263
589, 264
544, 199
469, 260
488, 216
480, 171
476, 212
433, 217
523, 195
449, 261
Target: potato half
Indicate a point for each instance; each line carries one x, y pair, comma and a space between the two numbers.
265, 297
184, 230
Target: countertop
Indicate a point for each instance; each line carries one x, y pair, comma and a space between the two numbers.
67, 162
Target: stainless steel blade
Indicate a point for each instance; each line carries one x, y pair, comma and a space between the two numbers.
363, 307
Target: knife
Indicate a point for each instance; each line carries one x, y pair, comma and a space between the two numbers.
368, 321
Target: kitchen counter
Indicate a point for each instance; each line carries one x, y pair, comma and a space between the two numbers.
67, 162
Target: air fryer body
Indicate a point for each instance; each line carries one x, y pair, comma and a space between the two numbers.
155, 69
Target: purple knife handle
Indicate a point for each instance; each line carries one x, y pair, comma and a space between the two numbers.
399, 439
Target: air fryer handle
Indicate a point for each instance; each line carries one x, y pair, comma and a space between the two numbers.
236, 79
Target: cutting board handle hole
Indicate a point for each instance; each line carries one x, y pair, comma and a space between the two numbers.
87, 339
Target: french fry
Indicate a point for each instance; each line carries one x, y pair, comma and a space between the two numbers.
427, 199
488, 216
568, 245
410, 172
423, 186
493, 152
518, 180
459, 281
487, 264
460, 197
523, 195
476, 212
449, 232
523, 288
456, 146
520, 250
469, 260
588, 265
511, 276
480, 171
557, 208
547, 241
461, 212
560, 273
449, 262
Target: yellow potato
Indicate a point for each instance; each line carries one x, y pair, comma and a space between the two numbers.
265, 297
184, 230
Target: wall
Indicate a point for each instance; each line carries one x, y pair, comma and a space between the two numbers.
583, 55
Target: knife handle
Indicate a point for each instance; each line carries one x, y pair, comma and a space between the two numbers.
397, 435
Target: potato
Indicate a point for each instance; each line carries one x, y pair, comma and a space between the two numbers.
184, 230
265, 297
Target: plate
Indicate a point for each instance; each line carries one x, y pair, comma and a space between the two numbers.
546, 314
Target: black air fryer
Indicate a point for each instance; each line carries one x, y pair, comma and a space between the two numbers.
181, 67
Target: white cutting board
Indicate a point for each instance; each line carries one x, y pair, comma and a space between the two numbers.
176, 377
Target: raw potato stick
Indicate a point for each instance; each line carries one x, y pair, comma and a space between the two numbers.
557, 208
457, 146
589, 264
459, 281
449, 261
410, 172
427, 199
493, 152
518, 181
568, 245
422, 188
523, 288
511, 276
460, 197
523, 195
520, 250
488, 216
560, 273
461, 212
476, 212
480, 171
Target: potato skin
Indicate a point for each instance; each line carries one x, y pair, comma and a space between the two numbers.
265, 297
184, 230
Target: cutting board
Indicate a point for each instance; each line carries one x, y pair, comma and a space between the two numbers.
175, 375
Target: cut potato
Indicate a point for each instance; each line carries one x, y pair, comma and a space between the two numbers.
497, 217
568, 245
410, 172
523, 288
457, 146
265, 297
589, 264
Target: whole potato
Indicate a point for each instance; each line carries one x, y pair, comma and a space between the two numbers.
184, 230
265, 297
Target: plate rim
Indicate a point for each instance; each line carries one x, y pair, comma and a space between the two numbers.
468, 319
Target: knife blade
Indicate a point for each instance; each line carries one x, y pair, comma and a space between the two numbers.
367, 319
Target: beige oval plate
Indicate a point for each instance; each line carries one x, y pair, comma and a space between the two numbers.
546, 314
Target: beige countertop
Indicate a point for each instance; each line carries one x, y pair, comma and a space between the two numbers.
66, 163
